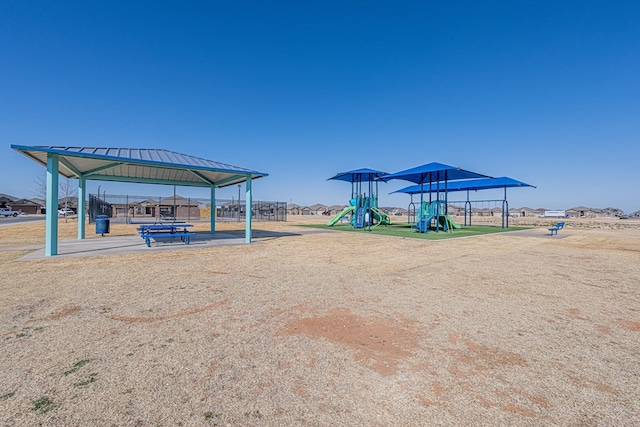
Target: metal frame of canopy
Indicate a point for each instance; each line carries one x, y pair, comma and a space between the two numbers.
357, 176
476, 184
419, 175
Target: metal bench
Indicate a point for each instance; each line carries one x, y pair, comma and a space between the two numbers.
554, 230
147, 232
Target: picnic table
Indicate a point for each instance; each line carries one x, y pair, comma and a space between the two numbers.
147, 232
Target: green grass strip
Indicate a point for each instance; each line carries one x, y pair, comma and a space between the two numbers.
405, 230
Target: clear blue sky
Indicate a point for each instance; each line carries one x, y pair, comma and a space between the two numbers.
547, 92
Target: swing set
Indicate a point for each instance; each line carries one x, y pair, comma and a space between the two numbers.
466, 185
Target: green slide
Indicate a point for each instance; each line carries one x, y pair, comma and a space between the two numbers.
381, 217
451, 224
337, 218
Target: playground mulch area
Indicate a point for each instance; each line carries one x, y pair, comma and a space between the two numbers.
306, 327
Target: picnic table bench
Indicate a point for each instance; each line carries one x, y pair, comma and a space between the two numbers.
147, 232
556, 228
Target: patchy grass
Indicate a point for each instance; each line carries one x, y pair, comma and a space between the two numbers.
42, 405
92, 379
209, 416
76, 366
7, 395
253, 414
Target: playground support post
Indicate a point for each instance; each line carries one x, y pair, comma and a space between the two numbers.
467, 203
505, 210
505, 214
411, 211
438, 199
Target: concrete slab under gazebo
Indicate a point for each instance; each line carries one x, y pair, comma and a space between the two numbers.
135, 165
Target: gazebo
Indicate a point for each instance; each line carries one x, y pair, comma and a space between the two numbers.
136, 165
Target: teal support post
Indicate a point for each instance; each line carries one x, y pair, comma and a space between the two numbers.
82, 187
249, 214
51, 205
214, 211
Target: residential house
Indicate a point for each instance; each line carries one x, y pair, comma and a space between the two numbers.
335, 209
27, 206
293, 209
319, 209
68, 202
6, 200
524, 212
179, 207
168, 207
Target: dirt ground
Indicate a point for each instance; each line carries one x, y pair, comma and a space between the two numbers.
323, 328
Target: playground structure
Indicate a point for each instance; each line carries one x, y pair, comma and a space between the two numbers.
468, 185
432, 174
363, 209
363, 212
432, 216
432, 179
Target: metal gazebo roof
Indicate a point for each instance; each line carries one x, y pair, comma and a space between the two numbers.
140, 165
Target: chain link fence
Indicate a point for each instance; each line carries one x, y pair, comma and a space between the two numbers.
140, 209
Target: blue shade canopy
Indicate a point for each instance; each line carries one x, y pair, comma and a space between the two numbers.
433, 172
474, 184
359, 175
141, 165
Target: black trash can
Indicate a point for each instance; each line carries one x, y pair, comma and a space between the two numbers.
102, 224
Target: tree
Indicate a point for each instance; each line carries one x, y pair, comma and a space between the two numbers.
67, 191
41, 186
